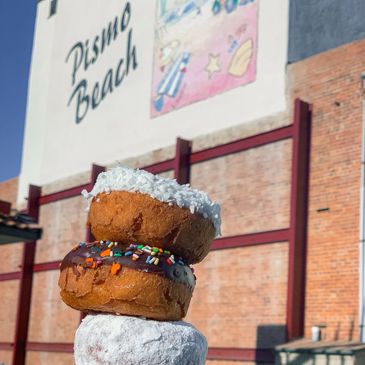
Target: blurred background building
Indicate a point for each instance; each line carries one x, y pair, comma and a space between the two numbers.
257, 102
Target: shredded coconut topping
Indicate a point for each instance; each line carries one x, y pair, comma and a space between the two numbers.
165, 190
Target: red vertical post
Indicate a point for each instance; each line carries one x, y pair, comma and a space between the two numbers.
95, 171
182, 161
26, 279
298, 219
5, 207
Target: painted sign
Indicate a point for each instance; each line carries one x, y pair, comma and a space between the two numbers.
96, 72
84, 54
202, 48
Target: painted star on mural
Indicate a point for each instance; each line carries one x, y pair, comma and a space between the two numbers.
213, 65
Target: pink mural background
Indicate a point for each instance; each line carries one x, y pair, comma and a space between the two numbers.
202, 48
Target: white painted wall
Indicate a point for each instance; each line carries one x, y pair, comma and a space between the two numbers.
56, 147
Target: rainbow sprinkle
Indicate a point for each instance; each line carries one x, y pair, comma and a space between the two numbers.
107, 249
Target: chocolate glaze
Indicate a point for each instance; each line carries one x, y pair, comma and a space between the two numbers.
178, 272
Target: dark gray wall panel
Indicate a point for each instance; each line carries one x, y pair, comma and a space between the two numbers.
318, 25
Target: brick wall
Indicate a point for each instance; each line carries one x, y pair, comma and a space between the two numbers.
9, 190
10, 256
331, 81
252, 187
46, 358
240, 298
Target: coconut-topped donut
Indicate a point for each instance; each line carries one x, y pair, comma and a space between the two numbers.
157, 187
127, 206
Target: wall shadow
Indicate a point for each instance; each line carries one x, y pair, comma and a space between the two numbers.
267, 337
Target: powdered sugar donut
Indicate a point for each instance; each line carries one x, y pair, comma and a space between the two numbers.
119, 340
130, 206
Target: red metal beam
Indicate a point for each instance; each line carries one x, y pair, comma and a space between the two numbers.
5, 207
26, 279
6, 346
251, 239
298, 220
239, 354
10, 276
159, 167
50, 347
242, 144
72, 192
204, 155
46, 266
181, 162
64, 194
95, 171
214, 353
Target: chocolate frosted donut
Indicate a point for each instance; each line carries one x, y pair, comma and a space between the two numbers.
137, 280
133, 205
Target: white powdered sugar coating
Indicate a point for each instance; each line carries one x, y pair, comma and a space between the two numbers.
165, 190
106, 339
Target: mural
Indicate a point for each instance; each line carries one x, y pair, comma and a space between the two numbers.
202, 48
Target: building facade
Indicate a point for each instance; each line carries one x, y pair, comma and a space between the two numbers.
118, 82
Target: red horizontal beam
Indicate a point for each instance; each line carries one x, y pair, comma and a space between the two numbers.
6, 346
242, 144
63, 194
251, 239
50, 347
238, 354
76, 191
10, 276
46, 266
244, 240
159, 167
214, 353
199, 156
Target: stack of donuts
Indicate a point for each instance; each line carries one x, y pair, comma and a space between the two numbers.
148, 232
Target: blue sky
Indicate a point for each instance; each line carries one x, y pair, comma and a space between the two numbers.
16, 38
